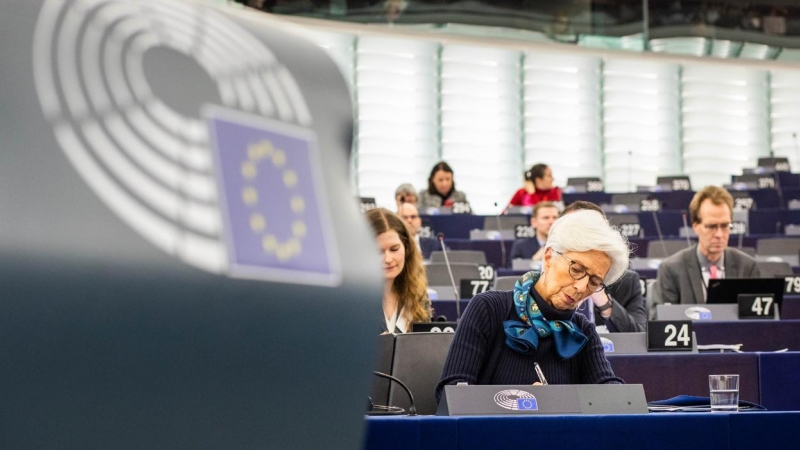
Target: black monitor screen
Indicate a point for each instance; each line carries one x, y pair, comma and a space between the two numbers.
726, 290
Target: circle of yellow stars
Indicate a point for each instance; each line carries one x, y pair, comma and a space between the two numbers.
264, 152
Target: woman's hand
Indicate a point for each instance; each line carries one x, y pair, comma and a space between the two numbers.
601, 299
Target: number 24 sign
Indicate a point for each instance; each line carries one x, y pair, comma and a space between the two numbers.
670, 335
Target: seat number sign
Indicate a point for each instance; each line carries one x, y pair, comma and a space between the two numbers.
756, 306
669, 335
471, 288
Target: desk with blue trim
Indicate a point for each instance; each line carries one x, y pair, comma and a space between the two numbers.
668, 431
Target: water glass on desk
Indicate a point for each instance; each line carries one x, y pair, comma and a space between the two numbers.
724, 393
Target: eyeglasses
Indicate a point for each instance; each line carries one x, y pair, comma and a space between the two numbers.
578, 272
717, 226
410, 217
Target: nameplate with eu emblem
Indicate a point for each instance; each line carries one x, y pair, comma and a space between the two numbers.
471, 400
275, 211
624, 343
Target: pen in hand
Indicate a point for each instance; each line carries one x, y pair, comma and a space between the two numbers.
539, 373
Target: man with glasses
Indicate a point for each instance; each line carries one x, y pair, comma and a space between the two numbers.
542, 218
410, 213
683, 277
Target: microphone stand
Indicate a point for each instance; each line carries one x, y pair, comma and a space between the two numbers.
660, 235
630, 170
686, 227
502, 241
452, 280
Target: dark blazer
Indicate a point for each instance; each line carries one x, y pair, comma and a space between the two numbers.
524, 249
428, 245
629, 311
680, 279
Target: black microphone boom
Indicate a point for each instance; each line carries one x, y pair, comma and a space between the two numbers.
440, 236
660, 235
502, 241
686, 227
412, 410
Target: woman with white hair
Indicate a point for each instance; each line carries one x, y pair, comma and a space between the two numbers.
504, 333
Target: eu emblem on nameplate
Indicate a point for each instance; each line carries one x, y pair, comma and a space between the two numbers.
273, 200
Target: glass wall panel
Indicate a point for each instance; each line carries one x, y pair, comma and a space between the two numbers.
725, 121
562, 107
480, 114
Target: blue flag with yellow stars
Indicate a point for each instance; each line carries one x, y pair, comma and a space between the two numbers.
272, 198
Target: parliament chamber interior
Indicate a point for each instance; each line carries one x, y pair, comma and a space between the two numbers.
184, 186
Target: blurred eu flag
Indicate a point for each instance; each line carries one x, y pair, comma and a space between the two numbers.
272, 198
527, 404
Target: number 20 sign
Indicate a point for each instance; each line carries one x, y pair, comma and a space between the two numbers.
669, 335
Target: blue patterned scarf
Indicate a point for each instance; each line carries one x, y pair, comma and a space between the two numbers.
523, 337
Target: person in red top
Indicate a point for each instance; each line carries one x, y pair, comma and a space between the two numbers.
538, 187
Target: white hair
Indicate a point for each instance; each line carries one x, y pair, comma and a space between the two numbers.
586, 230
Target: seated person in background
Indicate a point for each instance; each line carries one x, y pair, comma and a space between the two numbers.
621, 307
405, 193
683, 277
405, 293
538, 188
503, 333
409, 213
441, 190
542, 218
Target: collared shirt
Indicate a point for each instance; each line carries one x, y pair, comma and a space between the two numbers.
705, 267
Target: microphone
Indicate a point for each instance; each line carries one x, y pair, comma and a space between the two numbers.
741, 238
686, 227
502, 241
412, 410
630, 170
440, 236
778, 189
660, 235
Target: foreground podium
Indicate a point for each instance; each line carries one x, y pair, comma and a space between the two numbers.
172, 235
464, 400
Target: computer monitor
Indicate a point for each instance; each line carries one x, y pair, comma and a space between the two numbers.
727, 290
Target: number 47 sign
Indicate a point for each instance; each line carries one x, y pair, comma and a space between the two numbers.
756, 306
